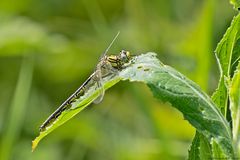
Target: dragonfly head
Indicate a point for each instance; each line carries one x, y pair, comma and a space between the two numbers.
124, 56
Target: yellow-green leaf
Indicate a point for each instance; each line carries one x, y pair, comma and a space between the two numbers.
234, 94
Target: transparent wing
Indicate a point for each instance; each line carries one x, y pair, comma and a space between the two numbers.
98, 72
101, 93
99, 82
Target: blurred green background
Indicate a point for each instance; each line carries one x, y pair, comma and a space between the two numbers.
49, 47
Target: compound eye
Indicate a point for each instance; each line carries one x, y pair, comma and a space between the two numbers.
123, 56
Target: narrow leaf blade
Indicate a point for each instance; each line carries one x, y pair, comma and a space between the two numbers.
227, 53
194, 153
234, 94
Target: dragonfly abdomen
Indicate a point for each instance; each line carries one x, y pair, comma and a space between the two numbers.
66, 105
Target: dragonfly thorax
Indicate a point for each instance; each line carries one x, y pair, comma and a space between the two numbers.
117, 61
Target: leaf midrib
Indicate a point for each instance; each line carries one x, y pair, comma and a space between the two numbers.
210, 104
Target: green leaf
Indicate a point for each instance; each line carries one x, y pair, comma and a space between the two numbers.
227, 54
234, 95
200, 148
205, 148
236, 4
167, 85
194, 153
217, 152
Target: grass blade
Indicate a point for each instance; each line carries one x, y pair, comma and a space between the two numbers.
17, 108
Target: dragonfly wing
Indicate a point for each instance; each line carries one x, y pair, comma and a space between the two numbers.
100, 87
99, 74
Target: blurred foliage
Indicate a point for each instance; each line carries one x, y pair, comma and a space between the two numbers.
49, 47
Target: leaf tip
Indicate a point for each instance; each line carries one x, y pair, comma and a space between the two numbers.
34, 144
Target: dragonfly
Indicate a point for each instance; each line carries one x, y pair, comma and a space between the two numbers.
107, 65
